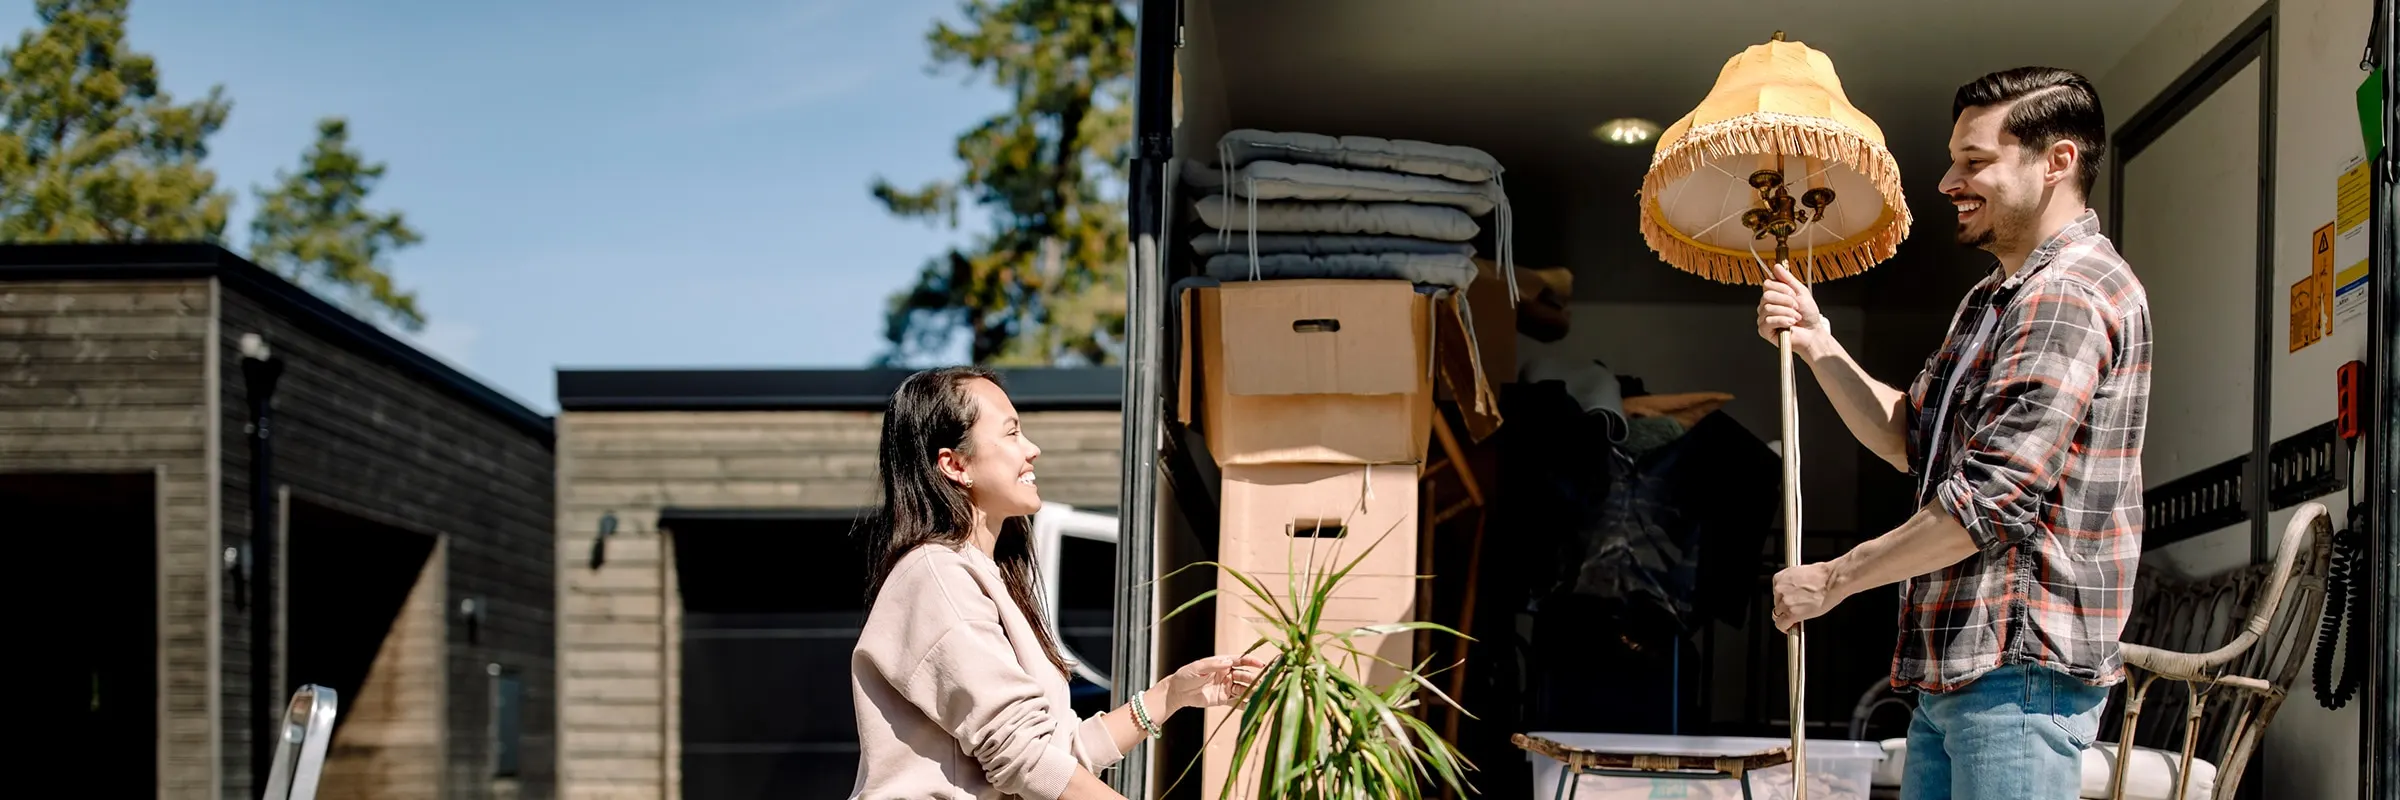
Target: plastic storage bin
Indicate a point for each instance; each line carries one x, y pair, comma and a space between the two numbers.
1837, 769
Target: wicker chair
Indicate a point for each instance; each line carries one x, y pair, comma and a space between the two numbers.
2227, 694
2223, 650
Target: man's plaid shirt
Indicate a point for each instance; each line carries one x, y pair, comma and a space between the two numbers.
2040, 460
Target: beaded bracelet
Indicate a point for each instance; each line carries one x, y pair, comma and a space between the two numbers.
1141, 716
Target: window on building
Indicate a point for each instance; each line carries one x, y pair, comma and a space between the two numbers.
508, 723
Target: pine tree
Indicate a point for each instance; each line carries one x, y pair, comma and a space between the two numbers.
1047, 283
315, 229
91, 149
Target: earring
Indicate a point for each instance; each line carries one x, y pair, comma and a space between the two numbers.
970, 483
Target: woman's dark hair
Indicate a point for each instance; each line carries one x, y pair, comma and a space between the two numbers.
919, 505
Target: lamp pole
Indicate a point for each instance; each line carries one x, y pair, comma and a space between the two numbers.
260, 372
1781, 215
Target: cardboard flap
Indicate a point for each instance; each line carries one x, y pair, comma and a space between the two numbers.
1319, 337
1465, 376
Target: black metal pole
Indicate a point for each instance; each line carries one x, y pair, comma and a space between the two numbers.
1157, 33
266, 592
2378, 740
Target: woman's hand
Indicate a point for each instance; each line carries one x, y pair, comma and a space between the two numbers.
1213, 681
1206, 683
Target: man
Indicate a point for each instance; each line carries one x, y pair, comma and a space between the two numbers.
2024, 435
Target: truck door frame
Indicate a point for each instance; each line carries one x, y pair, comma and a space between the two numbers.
2379, 773
1158, 34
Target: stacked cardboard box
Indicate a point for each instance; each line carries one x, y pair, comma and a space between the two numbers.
1315, 397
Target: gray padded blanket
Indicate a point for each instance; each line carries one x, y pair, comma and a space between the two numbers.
1213, 243
1451, 270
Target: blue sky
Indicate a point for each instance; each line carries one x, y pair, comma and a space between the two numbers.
600, 183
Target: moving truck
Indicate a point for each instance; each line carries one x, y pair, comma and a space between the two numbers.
2237, 128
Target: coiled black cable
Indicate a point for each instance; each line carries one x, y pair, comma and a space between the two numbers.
2343, 598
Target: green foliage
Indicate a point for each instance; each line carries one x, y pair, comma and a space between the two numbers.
91, 149
1047, 283
1315, 731
314, 229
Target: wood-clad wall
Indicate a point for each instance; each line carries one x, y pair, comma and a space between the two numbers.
390, 746
618, 679
114, 376
359, 435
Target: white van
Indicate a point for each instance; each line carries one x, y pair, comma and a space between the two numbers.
2232, 126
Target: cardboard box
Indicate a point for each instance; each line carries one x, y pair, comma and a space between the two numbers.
1282, 517
1285, 526
1309, 371
1276, 515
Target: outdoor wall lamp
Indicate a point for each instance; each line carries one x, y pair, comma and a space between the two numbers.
255, 348
608, 528
237, 577
470, 611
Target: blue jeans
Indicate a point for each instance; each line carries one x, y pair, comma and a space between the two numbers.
2017, 733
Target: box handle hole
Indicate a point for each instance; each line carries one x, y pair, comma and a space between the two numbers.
1317, 326
1318, 529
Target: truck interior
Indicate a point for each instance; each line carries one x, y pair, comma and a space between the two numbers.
2230, 121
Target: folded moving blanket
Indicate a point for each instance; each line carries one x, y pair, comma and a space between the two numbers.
1245, 145
1275, 180
1242, 192
1451, 270
1216, 242
1439, 223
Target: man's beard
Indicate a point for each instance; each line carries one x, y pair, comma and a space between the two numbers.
1978, 240
2004, 227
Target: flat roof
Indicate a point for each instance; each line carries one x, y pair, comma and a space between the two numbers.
191, 261
1031, 389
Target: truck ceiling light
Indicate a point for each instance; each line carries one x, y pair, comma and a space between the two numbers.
1627, 131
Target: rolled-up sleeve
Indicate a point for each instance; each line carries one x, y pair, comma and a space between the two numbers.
970, 684
2048, 353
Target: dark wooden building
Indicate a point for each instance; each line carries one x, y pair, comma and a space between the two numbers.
710, 589
406, 561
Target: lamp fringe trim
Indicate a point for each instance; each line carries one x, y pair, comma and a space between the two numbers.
1764, 134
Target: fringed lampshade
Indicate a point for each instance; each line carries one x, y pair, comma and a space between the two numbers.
1776, 166
1776, 129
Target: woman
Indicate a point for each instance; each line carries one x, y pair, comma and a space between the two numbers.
960, 689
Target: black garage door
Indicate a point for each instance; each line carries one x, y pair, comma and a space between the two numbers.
771, 606
93, 713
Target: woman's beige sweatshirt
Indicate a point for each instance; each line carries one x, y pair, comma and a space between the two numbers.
954, 697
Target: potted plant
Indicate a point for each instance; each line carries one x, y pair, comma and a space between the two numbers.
1311, 727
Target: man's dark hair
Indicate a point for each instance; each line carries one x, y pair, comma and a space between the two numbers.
2051, 104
